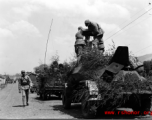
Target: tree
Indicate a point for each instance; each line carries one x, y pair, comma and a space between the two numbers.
41, 68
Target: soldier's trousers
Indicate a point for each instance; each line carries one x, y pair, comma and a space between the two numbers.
99, 43
26, 93
78, 49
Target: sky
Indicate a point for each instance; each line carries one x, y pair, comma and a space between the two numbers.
25, 24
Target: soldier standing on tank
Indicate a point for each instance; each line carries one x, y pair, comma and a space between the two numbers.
79, 43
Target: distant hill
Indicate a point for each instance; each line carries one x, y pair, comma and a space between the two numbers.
145, 57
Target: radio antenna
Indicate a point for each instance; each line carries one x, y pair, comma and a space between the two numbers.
47, 42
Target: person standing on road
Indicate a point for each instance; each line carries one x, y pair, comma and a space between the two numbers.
97, 32
24, 85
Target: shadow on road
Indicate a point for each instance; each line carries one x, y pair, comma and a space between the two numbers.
18, 106
75, 112
48, 98
41, 101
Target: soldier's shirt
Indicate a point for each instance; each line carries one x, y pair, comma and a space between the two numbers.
25, 82
79, 35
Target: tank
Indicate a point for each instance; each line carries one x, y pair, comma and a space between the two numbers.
115, 85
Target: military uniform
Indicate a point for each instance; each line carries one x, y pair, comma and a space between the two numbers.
97, 32
24, 85
79, 43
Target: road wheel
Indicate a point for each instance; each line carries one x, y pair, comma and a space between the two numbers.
66, 102
44, 96
87, 111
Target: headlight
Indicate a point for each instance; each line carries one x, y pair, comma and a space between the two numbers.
94, 92
92, 86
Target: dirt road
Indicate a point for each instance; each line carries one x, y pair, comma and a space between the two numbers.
11, 107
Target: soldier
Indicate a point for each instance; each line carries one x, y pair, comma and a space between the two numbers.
24, 85
97, 32
79, 43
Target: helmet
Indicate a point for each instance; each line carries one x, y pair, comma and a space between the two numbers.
23, 71
87, 22
80, 28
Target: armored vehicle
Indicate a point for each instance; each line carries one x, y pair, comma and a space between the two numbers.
89, 92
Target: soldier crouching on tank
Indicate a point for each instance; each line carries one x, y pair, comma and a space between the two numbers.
97, 32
